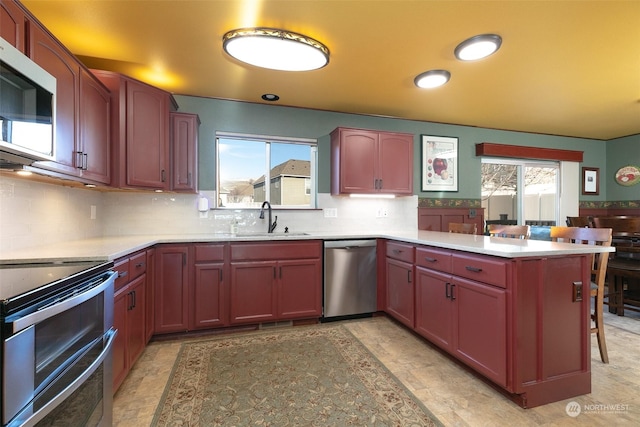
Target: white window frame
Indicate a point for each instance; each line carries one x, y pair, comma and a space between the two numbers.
268, 139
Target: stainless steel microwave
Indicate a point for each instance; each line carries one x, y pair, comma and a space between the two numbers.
27, 109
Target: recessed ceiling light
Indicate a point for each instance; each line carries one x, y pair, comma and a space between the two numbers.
271, 97
275, 49
432, 79
478, 47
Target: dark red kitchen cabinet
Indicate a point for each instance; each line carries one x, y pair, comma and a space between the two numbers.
275, 281
147, 136
184, 152
139, 132
55, 59
299, 289
150, 255
400, 287
480, 328
136, 325
94, 147
171, 293
119, 352
434, 310
253, 292
13, 22
368, 162
209, 297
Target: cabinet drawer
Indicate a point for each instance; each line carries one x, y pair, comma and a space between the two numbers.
137, 265
121, 267
276, 250
481, 269
434, 259
209, 253
400, 251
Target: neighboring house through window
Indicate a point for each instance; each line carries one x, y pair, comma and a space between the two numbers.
246, 163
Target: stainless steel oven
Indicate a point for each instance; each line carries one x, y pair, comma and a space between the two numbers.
57, 333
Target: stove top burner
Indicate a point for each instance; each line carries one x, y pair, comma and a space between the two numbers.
22, 283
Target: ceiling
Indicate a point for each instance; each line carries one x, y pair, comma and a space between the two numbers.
568, 68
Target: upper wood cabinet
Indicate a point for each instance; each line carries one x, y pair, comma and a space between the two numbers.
82, 102
13, 24
140, 132
370, 162
184, 152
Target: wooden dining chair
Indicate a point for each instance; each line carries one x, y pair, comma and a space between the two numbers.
579, 221
463, 228
513, 231
591, 236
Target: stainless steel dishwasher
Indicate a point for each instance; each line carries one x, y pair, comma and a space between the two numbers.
349, 277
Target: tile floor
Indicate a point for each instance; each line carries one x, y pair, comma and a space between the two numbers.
455, 396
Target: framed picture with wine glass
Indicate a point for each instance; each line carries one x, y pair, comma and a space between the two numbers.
439, 156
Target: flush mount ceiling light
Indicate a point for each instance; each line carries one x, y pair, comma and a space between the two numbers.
478, 47
275, 49
432, 78
271, 97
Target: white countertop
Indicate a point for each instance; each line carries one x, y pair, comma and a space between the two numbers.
111, 248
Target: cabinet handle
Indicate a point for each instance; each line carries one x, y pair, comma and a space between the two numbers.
447, 290
453, 295
221, 275
189, 178
122, 274
396, 251
134, 300
409, 276
429, 259
85, 161
474, 269
164, 175
79, 160
380, 186
140, 264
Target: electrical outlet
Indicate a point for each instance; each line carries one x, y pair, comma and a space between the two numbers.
472, 213
382, 213
330, 212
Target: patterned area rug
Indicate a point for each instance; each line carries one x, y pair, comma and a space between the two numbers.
300, 376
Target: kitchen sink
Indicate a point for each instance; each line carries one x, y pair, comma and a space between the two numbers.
265, 234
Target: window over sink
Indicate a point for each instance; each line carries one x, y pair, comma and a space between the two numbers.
252, 169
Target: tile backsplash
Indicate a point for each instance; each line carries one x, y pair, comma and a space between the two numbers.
33, 214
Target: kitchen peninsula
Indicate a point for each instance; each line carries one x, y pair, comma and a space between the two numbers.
511, 310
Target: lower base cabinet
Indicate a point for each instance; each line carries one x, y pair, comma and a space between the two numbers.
208, 297
275, 281
129, 315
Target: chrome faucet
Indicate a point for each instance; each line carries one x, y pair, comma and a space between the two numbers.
272, 225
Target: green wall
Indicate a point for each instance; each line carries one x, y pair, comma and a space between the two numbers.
232, 116
621, 152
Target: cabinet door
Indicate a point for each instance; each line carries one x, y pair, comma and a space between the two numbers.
209, 296
356, 161
253, 292
480, 337
12, 24
171, 289
136, 327
395, 164
299, 289
94, 129
51, 56
184, 149
400, 291
149, 292
119, 353
147, 136
434, 308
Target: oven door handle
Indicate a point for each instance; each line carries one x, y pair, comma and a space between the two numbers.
36, 317
37, 416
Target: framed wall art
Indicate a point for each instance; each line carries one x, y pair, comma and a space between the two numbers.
591, 181
439, 163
